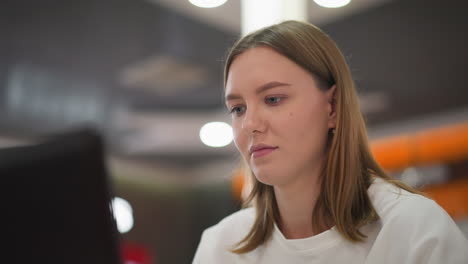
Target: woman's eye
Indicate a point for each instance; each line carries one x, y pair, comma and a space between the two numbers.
238, 110
273, 100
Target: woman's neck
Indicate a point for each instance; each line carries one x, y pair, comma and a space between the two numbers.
296, 202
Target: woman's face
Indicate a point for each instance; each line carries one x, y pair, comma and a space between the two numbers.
280, 117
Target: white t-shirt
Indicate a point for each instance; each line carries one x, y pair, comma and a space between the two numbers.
411, 229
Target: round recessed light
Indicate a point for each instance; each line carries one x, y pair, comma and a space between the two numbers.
216, 134
207, 3
332, 3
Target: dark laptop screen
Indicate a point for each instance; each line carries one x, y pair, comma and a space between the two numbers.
58, 202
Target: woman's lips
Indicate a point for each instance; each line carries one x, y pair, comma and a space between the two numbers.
262, 152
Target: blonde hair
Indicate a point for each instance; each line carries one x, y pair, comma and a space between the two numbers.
350, 166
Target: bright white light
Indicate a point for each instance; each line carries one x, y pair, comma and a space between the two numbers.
216, 134
332, 3
207, 3
271, 12
123, 214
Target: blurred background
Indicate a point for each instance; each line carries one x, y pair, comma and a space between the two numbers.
147, 74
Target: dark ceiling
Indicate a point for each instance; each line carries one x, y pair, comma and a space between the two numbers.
413, 51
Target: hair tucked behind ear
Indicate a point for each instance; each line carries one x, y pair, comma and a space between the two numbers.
349, 167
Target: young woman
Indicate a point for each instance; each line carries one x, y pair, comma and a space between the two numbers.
318, 194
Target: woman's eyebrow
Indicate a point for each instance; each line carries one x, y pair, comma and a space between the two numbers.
260, 89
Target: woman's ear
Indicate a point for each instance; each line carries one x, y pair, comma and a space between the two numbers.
331, 106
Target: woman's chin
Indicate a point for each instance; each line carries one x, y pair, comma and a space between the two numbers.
266, 178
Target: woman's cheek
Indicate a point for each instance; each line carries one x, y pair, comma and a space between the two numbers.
238, 140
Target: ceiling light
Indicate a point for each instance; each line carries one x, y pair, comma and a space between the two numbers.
207, 3
272, 12
216, 134
332, 3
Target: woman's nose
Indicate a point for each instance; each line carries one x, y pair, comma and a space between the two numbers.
254, 121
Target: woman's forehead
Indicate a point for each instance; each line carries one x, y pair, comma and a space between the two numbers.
260, 65
257, 63
258, 56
